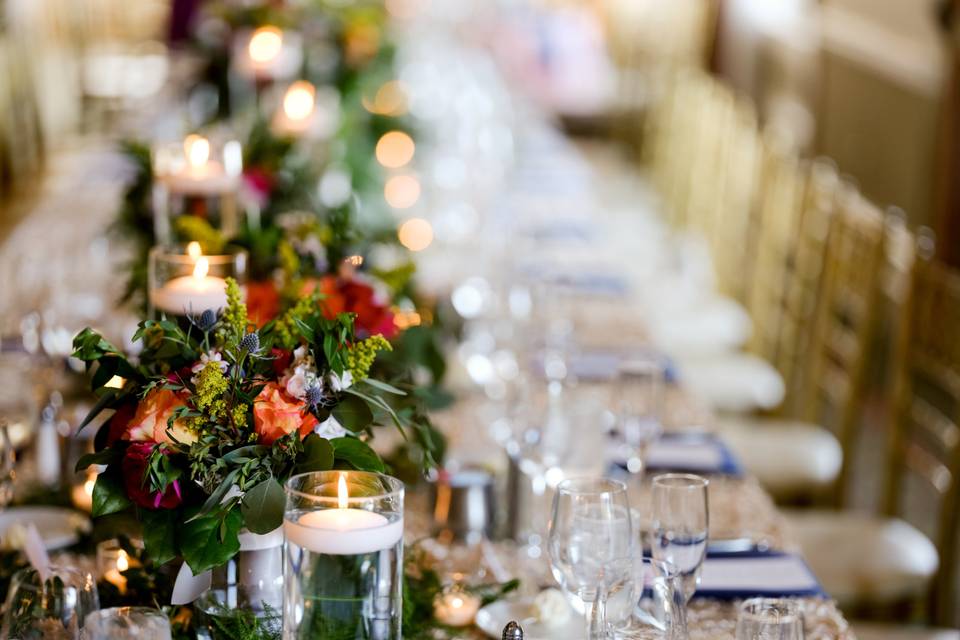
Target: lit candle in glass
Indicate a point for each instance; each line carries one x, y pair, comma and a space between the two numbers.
344, 530
456, 607
112, 561
196, 292
82, 494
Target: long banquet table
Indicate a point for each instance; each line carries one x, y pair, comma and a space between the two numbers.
526, 197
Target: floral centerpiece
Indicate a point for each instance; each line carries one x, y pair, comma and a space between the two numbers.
211, 419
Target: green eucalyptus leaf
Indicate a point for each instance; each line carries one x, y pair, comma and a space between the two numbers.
107, 456
159, 533
317, 455
356, 454
109, 495
103, 402
262, 506
353, 413
383, 386
210, 541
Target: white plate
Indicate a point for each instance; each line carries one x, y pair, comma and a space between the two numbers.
494, 617
58, 527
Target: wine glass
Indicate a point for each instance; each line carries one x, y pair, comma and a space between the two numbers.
589, 529
638, 398
55, 607
644, 599
127, 623
770, 619
680, 525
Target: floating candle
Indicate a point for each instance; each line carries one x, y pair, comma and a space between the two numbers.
456, 608
344, 530
194, 293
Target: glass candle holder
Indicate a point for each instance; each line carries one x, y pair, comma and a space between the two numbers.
199, 176
184, 282
112, 561
127, 623
343, 556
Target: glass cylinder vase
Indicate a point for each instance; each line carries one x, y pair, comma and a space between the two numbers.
246, 592
343, 556
200, 176
184, 282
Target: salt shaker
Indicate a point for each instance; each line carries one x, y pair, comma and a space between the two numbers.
512, 631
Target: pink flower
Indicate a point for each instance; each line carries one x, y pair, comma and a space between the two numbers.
275, 414
149, 423
134, 467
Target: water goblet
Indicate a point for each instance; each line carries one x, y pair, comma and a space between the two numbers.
589, 529
680, 525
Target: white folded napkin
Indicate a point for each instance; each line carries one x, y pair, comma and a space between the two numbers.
686, 453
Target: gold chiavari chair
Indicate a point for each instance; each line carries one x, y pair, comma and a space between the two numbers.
884, 566
846, 316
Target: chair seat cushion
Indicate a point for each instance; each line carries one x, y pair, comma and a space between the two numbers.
733, 382
860, 558
789, 458
711, 327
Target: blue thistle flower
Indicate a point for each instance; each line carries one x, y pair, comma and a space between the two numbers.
250, 342
204, 321
314, 396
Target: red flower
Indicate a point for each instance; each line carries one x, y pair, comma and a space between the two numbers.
134, 467
119, 422
263, 301
352, 295
281, 360
259, 184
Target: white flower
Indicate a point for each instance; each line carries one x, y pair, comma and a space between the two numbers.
330, 429
339, 383
206, 358
550, 608
301, 375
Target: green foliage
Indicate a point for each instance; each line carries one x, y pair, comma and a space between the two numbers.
243, 624
352, 453
209, 541
262, 506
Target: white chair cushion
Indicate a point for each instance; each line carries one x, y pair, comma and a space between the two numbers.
863, 558
789, 458
710, 327
732, 383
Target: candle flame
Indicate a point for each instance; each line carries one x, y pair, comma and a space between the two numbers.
342, 494
194, 250
122, 563
201, 268
197, 149
299, 100
88, 486
457, 602
265, 44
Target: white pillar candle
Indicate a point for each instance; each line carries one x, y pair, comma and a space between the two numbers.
343, 531
194, 293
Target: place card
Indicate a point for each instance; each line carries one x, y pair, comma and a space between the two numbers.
743, 575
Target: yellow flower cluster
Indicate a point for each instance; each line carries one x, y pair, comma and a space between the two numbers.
234, 319
209, 399
286, 325
361, 357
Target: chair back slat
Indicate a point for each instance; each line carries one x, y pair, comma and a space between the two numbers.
834, 383
925, 428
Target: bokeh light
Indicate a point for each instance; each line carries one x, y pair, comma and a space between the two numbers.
390, 100
402, 192
299, 100
395, 149
415, 234
265, 44
197, 149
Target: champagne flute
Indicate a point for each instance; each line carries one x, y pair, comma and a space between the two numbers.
681, 524
589, 529
770, 619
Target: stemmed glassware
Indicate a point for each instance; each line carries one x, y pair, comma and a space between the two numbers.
770, 619
589, 529
127, 623
51, 607
638, 403
680, 525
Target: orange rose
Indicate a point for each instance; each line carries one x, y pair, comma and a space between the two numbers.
275, 414
150, 421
